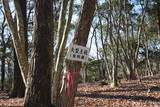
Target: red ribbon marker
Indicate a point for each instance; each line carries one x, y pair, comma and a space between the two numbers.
70, 81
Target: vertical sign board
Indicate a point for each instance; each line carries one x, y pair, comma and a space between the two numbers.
78, 53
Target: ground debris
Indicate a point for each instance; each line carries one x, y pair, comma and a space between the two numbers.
128, 94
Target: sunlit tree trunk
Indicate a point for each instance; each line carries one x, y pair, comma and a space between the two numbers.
18, 87
80, 38
61, 23
114, 54
61, 51
18, 36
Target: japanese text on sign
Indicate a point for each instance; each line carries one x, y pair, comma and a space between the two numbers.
78, 53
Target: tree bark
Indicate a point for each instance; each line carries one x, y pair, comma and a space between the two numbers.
18, 37
60, 57
38, 92
3, 69
18, 87
61, 24
80, 38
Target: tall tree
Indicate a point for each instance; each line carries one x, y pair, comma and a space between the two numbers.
38, 92
61, 50
61, 23
18, 36
18, 87
80, 38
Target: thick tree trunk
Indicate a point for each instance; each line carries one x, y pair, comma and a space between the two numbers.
18, 87
80, 38
38, 92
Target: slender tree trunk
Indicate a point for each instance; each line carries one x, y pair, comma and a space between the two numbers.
146, 45
114, 51
61, 24
38, 92
106, 64
60, 57
80, 38
18, 36
18, 87
114, 82
97, 49
105, 61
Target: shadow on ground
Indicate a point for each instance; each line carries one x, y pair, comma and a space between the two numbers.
106, 96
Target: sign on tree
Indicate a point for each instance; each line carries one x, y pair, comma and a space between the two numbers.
78, 53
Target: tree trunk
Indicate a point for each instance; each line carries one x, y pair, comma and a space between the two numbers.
130, 72
114, 82
60, 57
80, 38
3, 69
114, 51
61, 24
97, 49
23, 7
18, 87
18, 36
38, 92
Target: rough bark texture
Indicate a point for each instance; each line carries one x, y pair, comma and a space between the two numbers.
80, 38
38, 92
18, 87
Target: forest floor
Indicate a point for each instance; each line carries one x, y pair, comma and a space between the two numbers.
129, 94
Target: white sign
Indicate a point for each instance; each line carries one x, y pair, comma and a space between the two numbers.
78, 53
